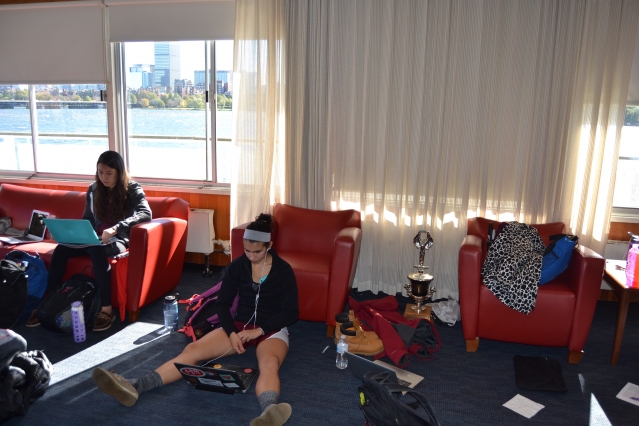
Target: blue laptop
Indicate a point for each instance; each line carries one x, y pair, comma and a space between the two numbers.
73, 232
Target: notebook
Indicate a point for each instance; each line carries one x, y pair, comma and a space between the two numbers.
73, 232
221, 378
37, 230
360, 366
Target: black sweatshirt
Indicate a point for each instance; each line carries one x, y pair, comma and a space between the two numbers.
137, 210
277, 306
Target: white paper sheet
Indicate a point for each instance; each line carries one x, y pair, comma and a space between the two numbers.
524, 406
629, 393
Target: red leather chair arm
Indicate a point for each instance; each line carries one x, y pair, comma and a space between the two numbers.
156, 259
469, 275
237, 235
584, 275
343, 266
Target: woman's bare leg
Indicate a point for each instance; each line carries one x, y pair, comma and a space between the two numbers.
270, 356
212, 345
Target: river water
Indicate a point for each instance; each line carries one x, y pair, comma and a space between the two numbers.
166, 153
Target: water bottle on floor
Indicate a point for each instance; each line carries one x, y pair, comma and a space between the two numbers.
342, 347
77, 319
170, 313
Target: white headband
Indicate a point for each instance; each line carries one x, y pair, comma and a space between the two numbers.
250, 234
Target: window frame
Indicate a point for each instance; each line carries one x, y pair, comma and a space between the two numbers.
625, 214
115, 99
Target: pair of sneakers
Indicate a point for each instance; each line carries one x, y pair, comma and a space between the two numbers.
103, 320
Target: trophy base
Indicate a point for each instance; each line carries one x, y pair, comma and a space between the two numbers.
411, 313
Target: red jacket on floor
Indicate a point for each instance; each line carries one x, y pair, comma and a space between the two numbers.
379, 315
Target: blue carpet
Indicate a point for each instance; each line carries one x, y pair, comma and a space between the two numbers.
464, 388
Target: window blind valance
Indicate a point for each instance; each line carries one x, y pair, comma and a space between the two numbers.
170, 20
52, 43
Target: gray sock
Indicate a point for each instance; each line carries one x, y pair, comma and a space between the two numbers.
266, 399
146, 383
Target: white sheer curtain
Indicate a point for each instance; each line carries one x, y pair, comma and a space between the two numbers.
258, 172
423, 113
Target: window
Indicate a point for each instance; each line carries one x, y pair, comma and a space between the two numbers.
169, 130
627, 182
52, 129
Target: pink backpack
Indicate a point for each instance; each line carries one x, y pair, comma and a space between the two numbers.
201, 316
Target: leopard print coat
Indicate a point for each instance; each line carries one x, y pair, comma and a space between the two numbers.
513, 266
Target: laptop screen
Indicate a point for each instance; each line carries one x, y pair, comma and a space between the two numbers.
37, 228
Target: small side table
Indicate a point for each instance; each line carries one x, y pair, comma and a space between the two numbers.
615, 277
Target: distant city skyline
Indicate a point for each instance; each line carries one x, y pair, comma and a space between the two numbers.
191, 56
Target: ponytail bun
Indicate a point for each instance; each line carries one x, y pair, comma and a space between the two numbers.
262, 223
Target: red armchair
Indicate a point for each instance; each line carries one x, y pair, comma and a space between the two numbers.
564, 308
156, 248
322, 247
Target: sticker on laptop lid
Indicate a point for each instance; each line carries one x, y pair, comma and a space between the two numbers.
190, 371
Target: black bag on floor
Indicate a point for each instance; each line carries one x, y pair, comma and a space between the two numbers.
382, 403
55, 311
22, 382
14, 293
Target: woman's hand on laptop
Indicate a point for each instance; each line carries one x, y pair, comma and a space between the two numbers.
107, 234
236, 343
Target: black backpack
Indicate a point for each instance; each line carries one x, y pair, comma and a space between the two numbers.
37, 275
382, 403
55, 311
22, 382
13, 293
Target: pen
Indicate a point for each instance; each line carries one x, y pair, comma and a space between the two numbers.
635, 398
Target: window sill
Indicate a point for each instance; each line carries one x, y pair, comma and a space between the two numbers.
193, 188
624, 215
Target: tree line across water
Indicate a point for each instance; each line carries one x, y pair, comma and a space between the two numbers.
139, 99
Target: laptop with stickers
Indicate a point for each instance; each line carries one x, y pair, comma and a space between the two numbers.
221, 378
37, 230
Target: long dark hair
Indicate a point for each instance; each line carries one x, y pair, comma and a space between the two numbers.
109, 204
262, 223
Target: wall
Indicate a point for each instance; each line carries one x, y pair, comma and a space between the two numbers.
197, 200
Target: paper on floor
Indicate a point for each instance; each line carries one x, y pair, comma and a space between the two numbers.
524, 406
629, 393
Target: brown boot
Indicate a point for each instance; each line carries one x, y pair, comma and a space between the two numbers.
342, 318
359, 342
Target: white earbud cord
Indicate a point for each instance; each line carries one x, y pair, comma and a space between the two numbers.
257, 296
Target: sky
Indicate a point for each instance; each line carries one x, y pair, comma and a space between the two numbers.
191, 56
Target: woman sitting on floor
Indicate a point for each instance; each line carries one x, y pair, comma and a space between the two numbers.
267, 305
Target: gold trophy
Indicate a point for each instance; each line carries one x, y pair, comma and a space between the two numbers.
419, 288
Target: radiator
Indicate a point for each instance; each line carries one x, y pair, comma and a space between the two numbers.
201, 235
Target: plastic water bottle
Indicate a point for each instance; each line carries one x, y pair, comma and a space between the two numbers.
342, 347
77, 318
170, 313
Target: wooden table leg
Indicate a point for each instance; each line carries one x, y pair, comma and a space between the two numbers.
624, 301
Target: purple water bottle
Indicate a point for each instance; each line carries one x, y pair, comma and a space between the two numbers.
77, 317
